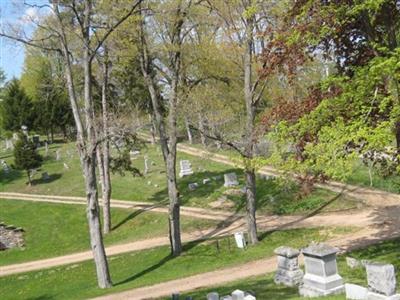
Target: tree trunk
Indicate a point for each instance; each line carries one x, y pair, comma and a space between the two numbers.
249, 141
202, 128
397, 129
93, 217
105, 151
104, 190
29, 177
188, 131
86, 142
152, 130
251, 205
174, 208
168, 139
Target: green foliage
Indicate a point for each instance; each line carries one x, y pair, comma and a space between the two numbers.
359, 118
16, 107
26, 156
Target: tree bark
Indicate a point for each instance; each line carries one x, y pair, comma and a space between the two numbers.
251, 205
202, 128
168, 141
152, 130
249, 142
397, 129
105, 151
86, 143
188, 131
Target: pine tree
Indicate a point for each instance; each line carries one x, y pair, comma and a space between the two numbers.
26, 156
17, 107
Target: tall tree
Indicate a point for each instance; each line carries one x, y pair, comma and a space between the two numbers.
16, 107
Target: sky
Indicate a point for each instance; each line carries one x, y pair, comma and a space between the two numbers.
12, 53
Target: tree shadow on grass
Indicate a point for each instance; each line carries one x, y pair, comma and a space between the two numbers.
42, 297
202, 191
7, 178
52, 177
129, 217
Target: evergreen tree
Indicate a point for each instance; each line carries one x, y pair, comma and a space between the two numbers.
17, 107
26, 156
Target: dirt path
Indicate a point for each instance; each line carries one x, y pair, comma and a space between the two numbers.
385, 219
369, 196
146, 206
254, 268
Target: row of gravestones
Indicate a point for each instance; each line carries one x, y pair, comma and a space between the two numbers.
321, 276
235, 295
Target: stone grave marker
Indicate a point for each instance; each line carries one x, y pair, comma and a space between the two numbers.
240, 240
206, 180
352, 263
192, 186
185, 168
381, 281
146, 165
321, 277
5, 167
45, 176
355, 292
66, 166
230, 180
288, 271
46, 149
58, 154
213, 296
237, 295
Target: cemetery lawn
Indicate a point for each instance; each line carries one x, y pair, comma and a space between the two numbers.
59, 229
151, 266
265, 288
360, 175
274, 196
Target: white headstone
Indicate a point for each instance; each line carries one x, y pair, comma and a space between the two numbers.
230, 180
355, 292
206, 180
185, 168
66, 166
213, 296
240, 240
237, 295
58, 154
249, 297
146, 165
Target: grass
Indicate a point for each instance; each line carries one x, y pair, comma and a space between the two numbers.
149, 267
274, 196
360, 175
265, 288
59, 229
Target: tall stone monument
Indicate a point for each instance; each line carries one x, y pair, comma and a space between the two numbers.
321, 277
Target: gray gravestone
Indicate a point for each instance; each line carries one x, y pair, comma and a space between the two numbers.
193, 186
288, 271
381, 281
5, 167
213, 296
321, 277
249, 297
230, 180
237, 295
45, 176
185, 168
